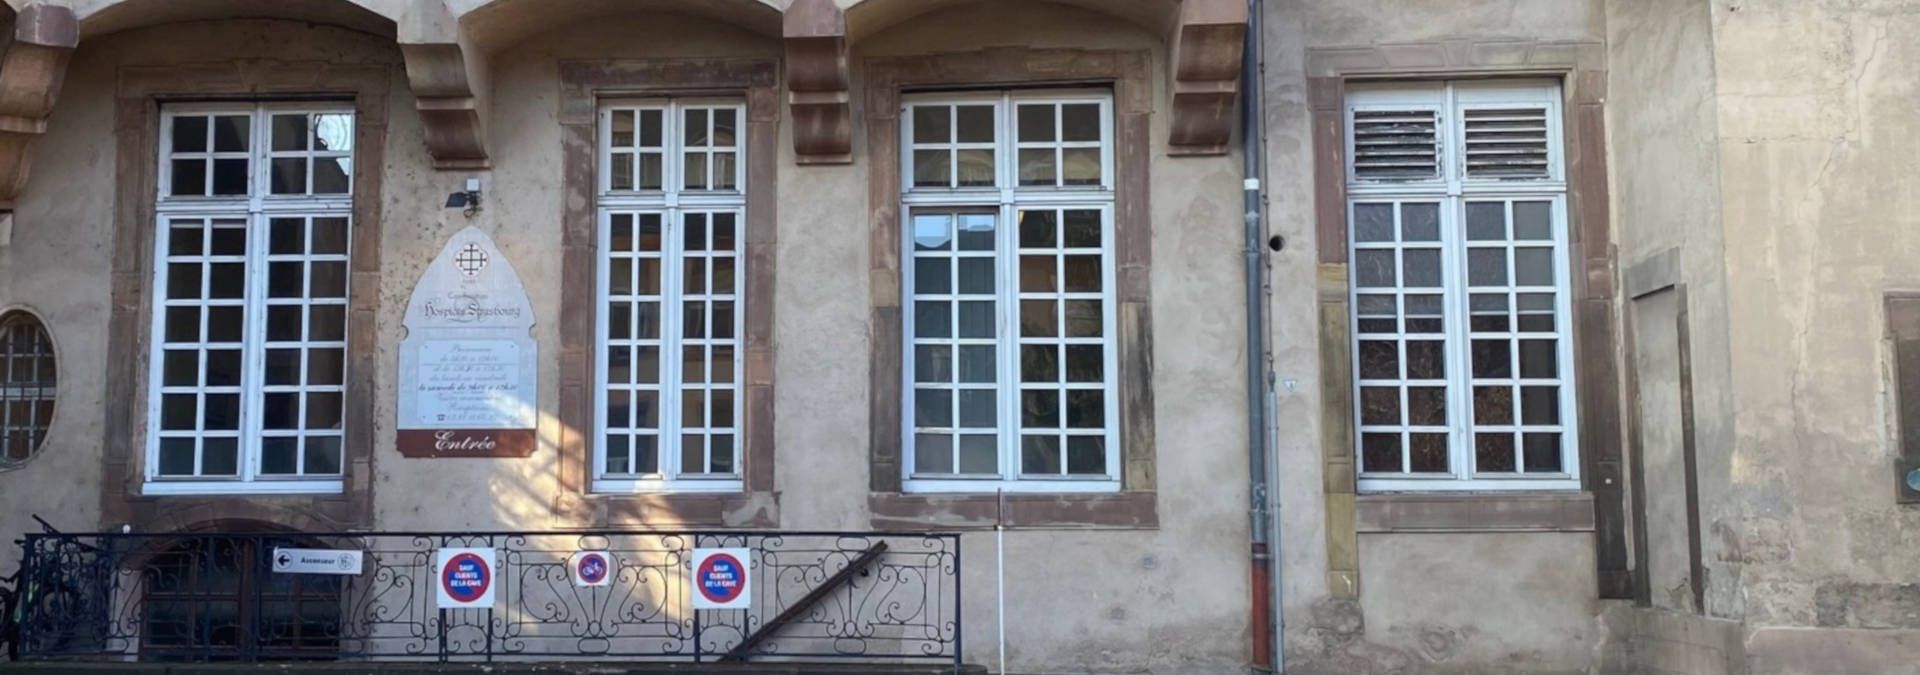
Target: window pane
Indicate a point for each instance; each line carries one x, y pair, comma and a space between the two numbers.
1532, 221
1083, 229
931, 124
179, 411
1380, 453
975, 123
1036, 123
1080, 166
1486, 221
230, 133
932, 276
933, 408
976, 168
932, 168
289, 132
229, 176
1086, 455
1542, 452
979, 454
220, 456
1040, 454
289, 175
1038, 229
1493, 452
1428, 453
1080, 122
1420, 222
623, 128
694, 129
977, 363
331, 175
723, 127
189, 177
333, 132
978, 408
190, 134
1372, 222
933, 453
323, 455
1038, 166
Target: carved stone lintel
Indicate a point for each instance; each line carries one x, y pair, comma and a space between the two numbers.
816, 39
1208, 44
31, 72
448, 76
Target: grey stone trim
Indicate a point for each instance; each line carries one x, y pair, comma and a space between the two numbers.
1133, 107
581, 85
1401, 513
136, 129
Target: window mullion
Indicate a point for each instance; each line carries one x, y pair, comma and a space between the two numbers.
1458, 328
253, 349
1008, 345
672, 248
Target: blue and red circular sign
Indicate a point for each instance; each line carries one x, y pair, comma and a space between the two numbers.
591, 568
466, 577
721, 578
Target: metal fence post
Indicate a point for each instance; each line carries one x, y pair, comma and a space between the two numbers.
959, 603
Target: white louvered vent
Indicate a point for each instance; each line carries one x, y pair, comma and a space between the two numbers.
1396, 145
1506, 143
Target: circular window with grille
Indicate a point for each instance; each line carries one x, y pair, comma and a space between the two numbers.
27, 383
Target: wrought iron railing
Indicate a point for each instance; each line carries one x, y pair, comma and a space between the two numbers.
815, 596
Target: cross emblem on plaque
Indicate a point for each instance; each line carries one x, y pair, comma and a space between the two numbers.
471, 259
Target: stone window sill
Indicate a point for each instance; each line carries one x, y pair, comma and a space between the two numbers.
684, 510
1478, 512
1130, 510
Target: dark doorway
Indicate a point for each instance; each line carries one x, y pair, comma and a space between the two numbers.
215, 598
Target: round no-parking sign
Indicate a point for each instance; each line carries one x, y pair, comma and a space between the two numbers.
721, 578
591, 568
466, 578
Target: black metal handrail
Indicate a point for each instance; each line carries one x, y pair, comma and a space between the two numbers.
212, 596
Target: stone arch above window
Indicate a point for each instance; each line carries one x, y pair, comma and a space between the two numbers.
29, 380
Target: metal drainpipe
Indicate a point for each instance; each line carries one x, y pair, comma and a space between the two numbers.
1266, 600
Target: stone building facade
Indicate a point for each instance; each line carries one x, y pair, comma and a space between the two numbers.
1588, 345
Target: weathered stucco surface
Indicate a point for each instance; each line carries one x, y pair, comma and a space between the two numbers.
1770, 144
1760, 157
1168, 599
1404, 617
1817, 136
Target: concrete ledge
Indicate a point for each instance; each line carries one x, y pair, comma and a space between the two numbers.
899, 512
1833, 650
1529, 512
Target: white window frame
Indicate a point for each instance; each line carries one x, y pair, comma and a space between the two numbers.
42, 392
1452, 190
670, 203
257, 208
1007, 199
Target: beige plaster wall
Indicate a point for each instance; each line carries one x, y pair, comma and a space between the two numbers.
1166, 600
59, 262
1465, 603
1663, 141
1816, 140
523, 206
1379, 632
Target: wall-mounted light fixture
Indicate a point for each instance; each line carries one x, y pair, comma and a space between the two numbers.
467, 201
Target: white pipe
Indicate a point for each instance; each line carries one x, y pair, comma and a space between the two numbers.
1000, 571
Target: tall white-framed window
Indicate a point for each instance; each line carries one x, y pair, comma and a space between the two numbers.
1457, 220
251, 265
672, 205
1009, 353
